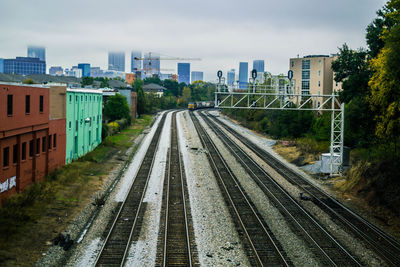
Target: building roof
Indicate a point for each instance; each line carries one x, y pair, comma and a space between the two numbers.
82, 90
153, 87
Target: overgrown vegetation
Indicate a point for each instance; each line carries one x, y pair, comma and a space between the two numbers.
62, 191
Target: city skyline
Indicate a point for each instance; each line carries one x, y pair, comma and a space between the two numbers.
79, 37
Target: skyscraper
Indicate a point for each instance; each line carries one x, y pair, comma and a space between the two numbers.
196, 76
151, 64
85, 67
231, 77
136, 64
184, 72
258, 65
116, 61
243, 74
37, 51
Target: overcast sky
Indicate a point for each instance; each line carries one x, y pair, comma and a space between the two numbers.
221, 32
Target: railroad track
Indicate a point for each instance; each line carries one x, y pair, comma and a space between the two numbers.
322, 244
176, 246
116, 245
265, 249
383, 244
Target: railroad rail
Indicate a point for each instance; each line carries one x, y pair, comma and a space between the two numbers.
177, 244
266, 250
117, 243
387, 247
330, 252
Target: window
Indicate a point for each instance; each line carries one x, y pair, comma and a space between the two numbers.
41, 103
319, 73
76, 125
31, 148
90, 98
9, 105
305, 64
292, 63
49, 144
85, 98
37, 146
76, 98
70, 124
15, 153
81, 97
305, 87
319, 83
44, 144
6, 154
27, 104
23, 151
54, 140
70, 98
305, 75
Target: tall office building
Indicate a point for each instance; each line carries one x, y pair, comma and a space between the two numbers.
116, 61
24, 66
258, 65
136, 62
85, 67
151, 64
231, 77
196, 76
37, 51
243, 74
184, 72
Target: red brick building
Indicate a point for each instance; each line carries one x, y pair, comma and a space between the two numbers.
32, 135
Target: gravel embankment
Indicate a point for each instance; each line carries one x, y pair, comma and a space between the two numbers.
352, 243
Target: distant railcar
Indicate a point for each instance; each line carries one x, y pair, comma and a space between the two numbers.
192, 106
200, 105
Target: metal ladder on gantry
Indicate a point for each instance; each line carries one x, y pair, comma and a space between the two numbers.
277, 93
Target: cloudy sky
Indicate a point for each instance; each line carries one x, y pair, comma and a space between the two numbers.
221, 32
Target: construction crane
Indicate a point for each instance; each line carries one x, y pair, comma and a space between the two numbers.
150, 58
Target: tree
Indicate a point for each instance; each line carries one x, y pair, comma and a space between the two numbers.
376, 29
154, 79
141, 101
117, 108
87, 81
186, 97
172, 87
28, 81
385, 82
351, 68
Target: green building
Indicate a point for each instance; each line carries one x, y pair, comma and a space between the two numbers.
84, 121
